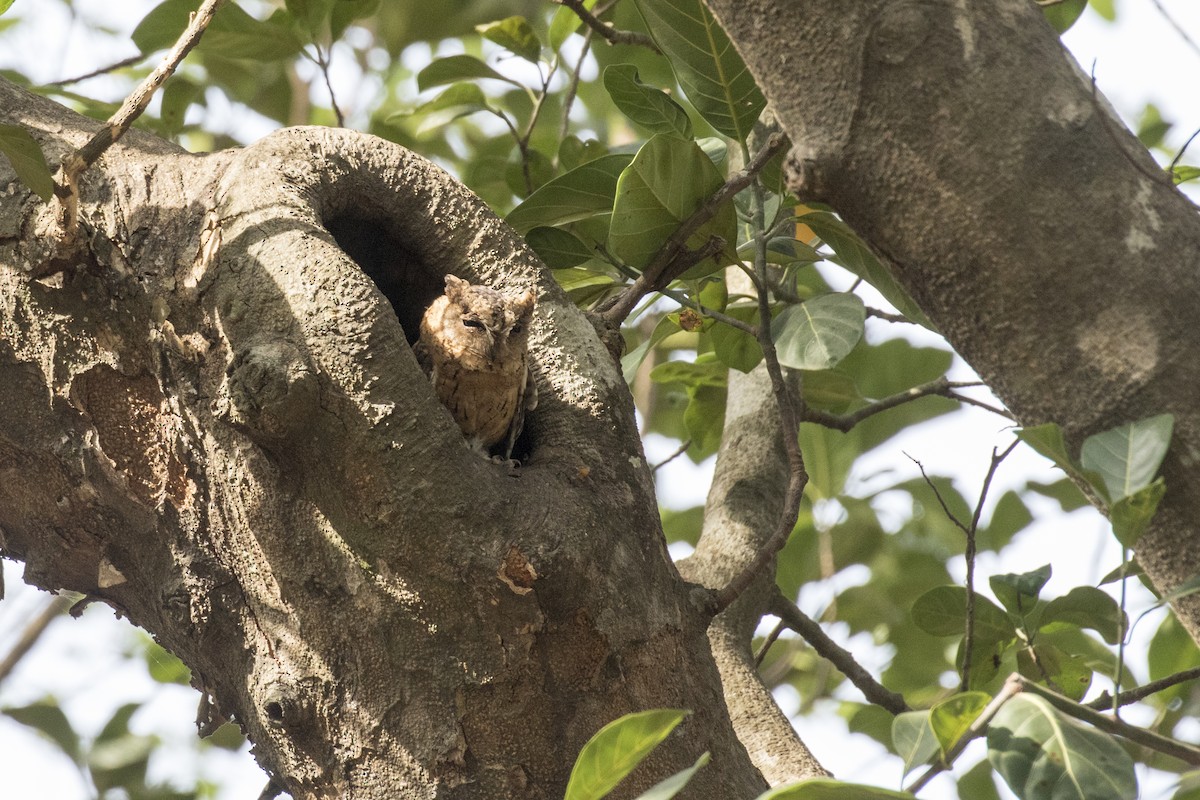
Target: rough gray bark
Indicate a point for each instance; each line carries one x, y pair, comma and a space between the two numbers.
963, 143
212, 420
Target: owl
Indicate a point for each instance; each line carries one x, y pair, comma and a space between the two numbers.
474, 346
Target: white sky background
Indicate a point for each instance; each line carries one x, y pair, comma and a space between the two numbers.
1140, 59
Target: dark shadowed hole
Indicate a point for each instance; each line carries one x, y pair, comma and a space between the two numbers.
404, 280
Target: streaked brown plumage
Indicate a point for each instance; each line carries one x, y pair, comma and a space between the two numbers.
474, 343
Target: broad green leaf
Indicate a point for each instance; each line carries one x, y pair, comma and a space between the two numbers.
632, 361
978, 784
1049, 666
704, 419
557, 248
1182, 173
581, 193
346, 12
649, 107
1172, 650
736, 348
1009, 517
1063, 490
514, 34
1128, 457
952, 717
1062, 16
463, 97
312, 15
27, 160
120, 761
667, 181
574, 152
830, 390
453, 69
820, 332
1105, 8
5, 5
616, 749
1047, 439
1019, 593
233, 33
1087, 607
177, 96
707, 66
1043, 755
526, 173
666, 789
913, 738
1131, 516
564, 23
829, 789
49, 720
942, 611
855, 256
704, 371
165, 667
682, 526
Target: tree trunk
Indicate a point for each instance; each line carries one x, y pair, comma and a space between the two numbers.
211, 419
965, 145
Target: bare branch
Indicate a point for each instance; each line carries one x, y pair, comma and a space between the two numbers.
606, 31
885, 315
772, 637
1178, 28
672, 258
323, 59
1106, 700
831, 651
34, 630
124, 62
682, 449
939, 387
74, 164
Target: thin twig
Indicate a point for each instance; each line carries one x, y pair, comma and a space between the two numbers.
1179, 156
789, 423
1178, 28
682, 449
935, 388
885, 315
831, 651
124, 62
1010, 690
684, 300
945, 508
606, 31
33, 631
969, 632
323, 61
74, 164
1186, 753
1106, 700
772, 637
667, 264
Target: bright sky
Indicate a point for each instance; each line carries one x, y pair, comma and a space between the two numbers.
1141, 59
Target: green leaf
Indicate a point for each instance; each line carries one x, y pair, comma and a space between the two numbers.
1172, 650
692, 374
1009, 517
736, 348
48, 719
583, 192
952, 717
464, 97
707, 66
165, 667
177, 96
27, 160
704, 419
233, 33
1063, 490
1087, 607
1043, 755
564, 23
1062, 16
632, 361
616, 749
1182, 173
1049, 666
1128, 457
820, 332
829, 789
854, 255
648, 107
1152, 129
5, 5
347, 11
913, 738
942, 611
977, 783
1019, 593
453, 69
1131, 516
1047, 439
667, 181
666, 789
514, 34
830, 390
557, 248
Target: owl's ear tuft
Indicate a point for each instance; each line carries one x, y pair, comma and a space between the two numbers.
523, 304
455, 286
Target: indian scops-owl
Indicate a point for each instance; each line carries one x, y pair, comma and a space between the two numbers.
474, 345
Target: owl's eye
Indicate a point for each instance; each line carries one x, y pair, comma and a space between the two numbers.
472, 323
516, 329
